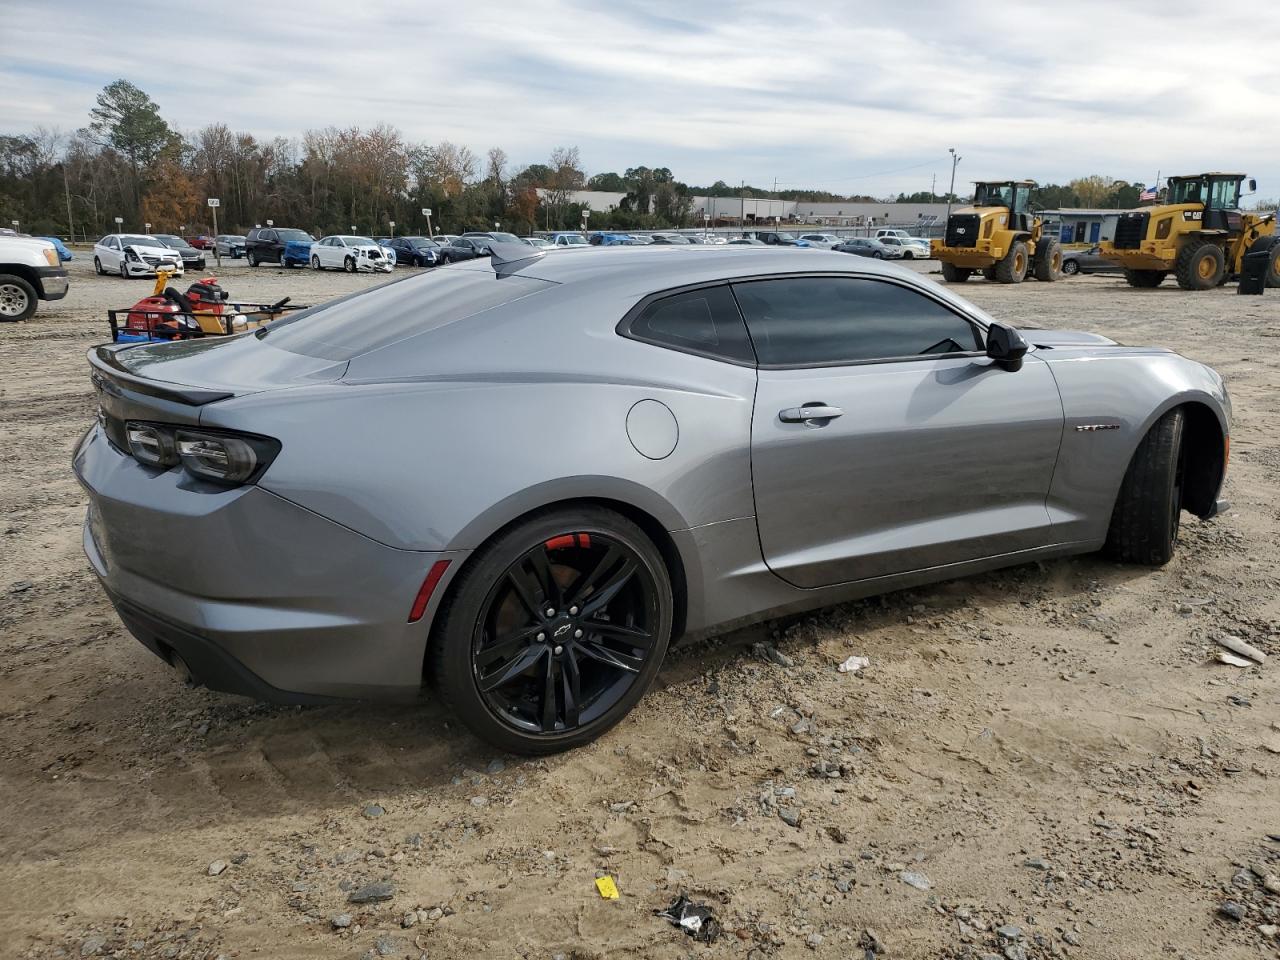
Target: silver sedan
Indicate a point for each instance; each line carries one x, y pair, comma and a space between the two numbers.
514, 481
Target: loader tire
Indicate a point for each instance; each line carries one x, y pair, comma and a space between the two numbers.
1144, 521
1048, 265
989, 273
1199, 266
1013, 268
1144, 278
953, 274
1273, 265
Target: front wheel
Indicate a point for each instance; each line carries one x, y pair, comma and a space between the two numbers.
97, 267
349, 265
315, 262
1070, 268
1144, 522
124, 271
17, 298
253, 260
1013, 268
554, 630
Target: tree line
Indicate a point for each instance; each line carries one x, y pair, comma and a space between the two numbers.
129, 162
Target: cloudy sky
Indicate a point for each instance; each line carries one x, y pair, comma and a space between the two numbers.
847, 97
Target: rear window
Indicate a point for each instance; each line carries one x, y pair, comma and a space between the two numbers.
371, 319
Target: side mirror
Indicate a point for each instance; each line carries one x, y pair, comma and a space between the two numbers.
1006, 346
1253, 186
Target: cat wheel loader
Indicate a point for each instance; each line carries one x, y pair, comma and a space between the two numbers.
999, 236
1198, 234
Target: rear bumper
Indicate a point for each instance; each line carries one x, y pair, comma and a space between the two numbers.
254, 593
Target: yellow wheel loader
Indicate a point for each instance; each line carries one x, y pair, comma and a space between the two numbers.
999, 236
1199, 234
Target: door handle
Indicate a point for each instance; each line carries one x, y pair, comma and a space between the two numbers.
809, 413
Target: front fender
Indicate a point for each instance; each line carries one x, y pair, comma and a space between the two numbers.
1111, 398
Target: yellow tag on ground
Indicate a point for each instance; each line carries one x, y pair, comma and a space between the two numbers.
608, 889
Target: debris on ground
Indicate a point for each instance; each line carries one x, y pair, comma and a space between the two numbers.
695, 919
854, 664
1236, 645
607, 888
771, 654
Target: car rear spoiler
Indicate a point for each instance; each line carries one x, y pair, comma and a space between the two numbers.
110, 374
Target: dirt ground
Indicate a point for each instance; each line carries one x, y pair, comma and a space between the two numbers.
1040, 762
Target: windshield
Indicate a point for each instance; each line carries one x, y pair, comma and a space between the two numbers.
419, 243
169, 240
141, 241
298, 235
993, 195
354, 325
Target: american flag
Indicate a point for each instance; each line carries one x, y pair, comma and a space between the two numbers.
1148, 193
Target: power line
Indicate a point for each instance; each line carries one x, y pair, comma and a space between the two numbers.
862, 176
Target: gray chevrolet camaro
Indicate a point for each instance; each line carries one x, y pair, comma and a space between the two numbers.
517, 480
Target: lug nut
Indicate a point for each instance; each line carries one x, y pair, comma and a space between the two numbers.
550, 612
541, 637
559, 650
577, 633
573, 611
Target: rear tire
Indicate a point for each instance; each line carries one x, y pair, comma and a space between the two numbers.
989, 273
1144, 522
1145, 279
1013, 268
953, 274
18, 300
1048, 265
1200, 266
476, 609
315, 262
1273, 267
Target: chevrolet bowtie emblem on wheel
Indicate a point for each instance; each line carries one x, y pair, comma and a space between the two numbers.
1092, 427
562, 629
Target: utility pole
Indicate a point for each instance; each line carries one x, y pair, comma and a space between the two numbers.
742, 195
66, 189
933, 187
952, 192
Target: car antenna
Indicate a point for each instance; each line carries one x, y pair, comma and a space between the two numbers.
507, 258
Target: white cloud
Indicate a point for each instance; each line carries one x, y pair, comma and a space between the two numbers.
824, 94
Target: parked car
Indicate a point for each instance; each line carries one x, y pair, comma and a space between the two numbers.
466, 248
229, 245
202, 242
891, 232
30, 271
192, 259
746, 242
134, 255
569, 239
1088, 261
376, 475
868, 247
823, 241
266, 244
444, 239
908, 249
64, 254
493, 236
774, 239
677, 239
542, 243
352, 254
608, 238
416, 252
297, 253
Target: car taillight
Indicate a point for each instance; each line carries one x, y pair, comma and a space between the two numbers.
221, 456
151, 445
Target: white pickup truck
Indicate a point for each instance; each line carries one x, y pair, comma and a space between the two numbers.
30, 271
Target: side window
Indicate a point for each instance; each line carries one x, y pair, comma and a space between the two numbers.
832, 320
702, 321
113, 243
268, 235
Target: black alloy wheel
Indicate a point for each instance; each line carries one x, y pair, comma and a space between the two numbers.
555, 631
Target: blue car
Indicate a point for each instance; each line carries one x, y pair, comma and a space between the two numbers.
297, 253
603, 239
63, 253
